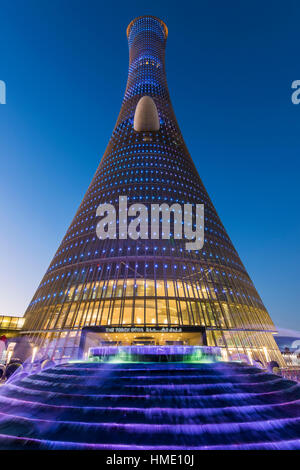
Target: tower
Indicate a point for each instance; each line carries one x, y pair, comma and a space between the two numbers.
150, 290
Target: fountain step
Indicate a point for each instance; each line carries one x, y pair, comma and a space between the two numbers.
156, 368
151, 434
150, 415
151, 398
12, 442
150, 405
96, 379
166, 387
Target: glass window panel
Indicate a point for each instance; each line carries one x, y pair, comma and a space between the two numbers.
162, 311
160, 289
139, 312
150, 311
173, 311
116, 308
170, 289
127, 313
104, 314
69, 320
180, 289
140, 287
129, 287
93, 313
150, 288
184, 313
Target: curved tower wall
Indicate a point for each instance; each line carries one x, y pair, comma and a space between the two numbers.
123, 282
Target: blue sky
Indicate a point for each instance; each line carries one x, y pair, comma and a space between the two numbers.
230, 66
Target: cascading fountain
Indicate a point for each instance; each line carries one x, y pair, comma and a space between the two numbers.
118, 404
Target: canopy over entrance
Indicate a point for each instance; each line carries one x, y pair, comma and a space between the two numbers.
92, 337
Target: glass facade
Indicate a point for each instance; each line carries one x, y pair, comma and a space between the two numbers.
125, 282
8, 322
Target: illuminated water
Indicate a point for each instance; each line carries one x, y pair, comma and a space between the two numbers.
156, 405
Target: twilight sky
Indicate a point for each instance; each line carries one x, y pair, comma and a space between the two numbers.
229, 65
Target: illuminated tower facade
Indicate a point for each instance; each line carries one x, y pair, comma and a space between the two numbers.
167, 293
